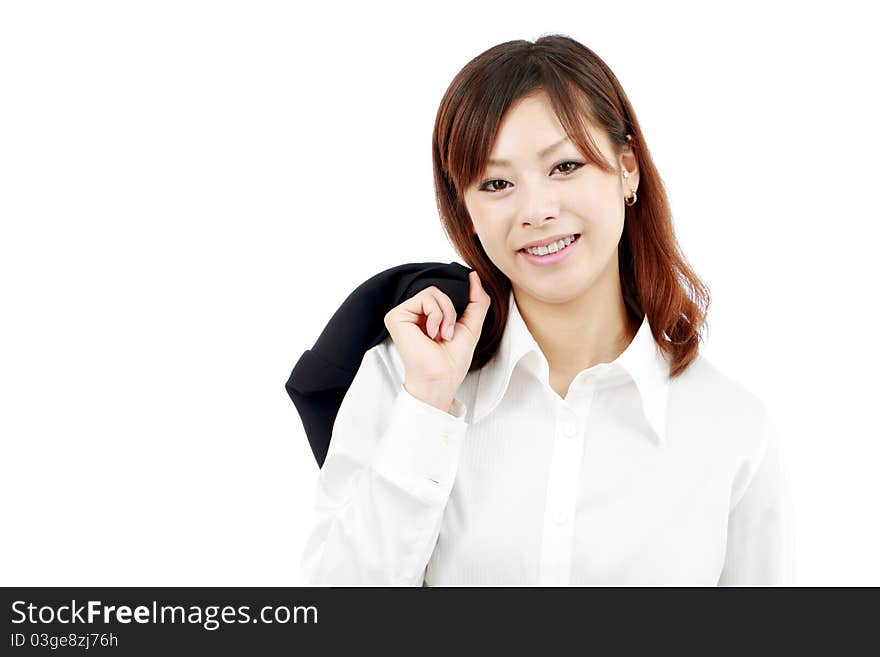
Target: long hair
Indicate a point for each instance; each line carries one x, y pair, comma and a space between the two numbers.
656, 279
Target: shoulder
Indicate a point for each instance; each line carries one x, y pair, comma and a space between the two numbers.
707, 383
714, 403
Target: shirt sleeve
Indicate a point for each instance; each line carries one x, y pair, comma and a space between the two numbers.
761, 524
383, 487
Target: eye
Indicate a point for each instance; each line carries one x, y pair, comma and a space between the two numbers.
567, 172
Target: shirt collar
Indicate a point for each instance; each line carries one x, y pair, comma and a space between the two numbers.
642, 362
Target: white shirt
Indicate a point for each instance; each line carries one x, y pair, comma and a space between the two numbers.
633, 479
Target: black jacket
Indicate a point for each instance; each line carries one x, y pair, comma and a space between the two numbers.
323, 374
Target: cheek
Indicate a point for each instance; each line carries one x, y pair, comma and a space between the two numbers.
491, 229
586, 200
598, 213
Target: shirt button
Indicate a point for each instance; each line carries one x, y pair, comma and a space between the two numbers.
569, 429
561, 517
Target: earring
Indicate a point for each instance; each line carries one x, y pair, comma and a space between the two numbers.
630, 201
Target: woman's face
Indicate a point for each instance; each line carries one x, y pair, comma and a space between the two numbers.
536, 197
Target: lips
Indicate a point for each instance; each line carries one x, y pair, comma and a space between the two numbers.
553, 259
548, 241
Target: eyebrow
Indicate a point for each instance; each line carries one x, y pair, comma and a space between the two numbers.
543, 153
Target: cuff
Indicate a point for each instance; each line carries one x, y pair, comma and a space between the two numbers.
420, 449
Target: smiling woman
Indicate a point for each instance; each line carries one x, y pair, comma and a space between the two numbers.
567, 431
497, 191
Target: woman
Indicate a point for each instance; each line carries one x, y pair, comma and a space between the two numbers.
573, 435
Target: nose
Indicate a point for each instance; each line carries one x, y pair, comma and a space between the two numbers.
540, 205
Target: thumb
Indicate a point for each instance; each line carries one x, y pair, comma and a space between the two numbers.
478, 305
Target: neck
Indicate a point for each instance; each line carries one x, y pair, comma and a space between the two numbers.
577, 334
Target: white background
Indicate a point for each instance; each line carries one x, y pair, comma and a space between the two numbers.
189, 190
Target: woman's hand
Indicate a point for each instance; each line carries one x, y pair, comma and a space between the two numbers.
435, 362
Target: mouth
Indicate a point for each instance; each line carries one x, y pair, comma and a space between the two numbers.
575, 237
552, 258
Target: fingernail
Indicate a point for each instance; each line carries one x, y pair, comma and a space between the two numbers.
447, 333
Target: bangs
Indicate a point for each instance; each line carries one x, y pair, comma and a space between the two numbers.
476, 127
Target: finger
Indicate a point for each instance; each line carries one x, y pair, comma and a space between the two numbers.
431, 309
478, 305
418, 309
449, 314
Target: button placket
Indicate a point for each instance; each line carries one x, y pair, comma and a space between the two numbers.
569, 427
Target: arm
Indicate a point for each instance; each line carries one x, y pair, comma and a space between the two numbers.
383, 487
760, 531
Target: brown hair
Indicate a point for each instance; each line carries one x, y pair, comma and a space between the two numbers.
655, 277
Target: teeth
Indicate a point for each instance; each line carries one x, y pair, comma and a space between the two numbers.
552, 248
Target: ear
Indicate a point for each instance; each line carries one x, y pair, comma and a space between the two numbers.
629, 163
